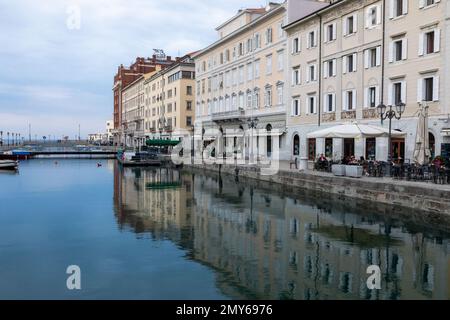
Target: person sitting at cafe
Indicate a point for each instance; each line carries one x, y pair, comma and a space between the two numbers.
322, 162
353, 161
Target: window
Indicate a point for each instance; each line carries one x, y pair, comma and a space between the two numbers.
249, 100
312, 39
269, 64
296, 45
280, 94
189, 90
329, 148
311, 101
428, 89
329, 102
397, 93
349, 25
329, 68
398, 50
188, 121
296, 149
249, 72
280, 60
349, 63
256, 99
429, 42
372, 57
188, 105
269, 35
257, 69
241, 74
241, 101
249, 45
257, 41
280, 30
295, 106
373, 16
330, 32
371, 148
349, 100
312, 74
311, 149
371, 97
296, 76
427, 3
268, 97
398, 8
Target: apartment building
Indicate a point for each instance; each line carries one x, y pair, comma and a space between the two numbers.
169, 100
347, 57
241, 83
133, 108
127, 75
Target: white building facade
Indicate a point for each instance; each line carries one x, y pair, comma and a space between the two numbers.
347, 57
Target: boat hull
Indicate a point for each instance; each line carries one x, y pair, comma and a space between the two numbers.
9, 165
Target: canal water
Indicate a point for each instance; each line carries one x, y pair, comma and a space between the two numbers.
163, 234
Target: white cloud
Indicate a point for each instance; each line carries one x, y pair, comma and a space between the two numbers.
72, 71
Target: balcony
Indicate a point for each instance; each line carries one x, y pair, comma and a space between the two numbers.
228, 116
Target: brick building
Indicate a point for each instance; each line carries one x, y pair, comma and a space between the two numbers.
126, 76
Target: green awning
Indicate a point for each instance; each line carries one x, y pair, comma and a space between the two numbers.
162, 143
161, 185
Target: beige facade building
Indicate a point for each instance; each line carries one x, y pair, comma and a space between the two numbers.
347, 57
133, 106
169, 100
160, 104
241, 77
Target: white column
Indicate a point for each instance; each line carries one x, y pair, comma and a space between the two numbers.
359, 148
338, 149
320, 146
382, 149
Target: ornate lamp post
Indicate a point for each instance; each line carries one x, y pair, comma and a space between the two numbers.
1, 138
388, 112
7, 139
252, 124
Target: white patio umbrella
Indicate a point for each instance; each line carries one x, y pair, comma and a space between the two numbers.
422, 152
355, 131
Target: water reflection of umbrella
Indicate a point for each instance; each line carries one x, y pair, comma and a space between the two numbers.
422, 152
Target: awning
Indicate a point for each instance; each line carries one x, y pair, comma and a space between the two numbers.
349, 131
162, 143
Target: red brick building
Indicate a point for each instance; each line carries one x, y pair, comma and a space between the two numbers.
126, 76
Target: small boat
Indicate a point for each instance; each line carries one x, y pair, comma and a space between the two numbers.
9, 165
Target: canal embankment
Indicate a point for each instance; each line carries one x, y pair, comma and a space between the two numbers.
421, 196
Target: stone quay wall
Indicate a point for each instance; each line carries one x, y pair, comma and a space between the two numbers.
427, 197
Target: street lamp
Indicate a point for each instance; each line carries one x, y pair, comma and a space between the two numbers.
389, 113
8, 139
252, 124
1, 138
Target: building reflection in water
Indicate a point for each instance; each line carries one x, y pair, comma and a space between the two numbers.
265, 245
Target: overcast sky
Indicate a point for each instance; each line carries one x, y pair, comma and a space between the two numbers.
56, 77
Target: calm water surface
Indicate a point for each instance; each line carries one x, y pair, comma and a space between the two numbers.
160, 234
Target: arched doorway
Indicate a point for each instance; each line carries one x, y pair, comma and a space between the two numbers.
296, 146
269, 140
432, 142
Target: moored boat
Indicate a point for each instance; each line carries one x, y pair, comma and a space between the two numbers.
9, 165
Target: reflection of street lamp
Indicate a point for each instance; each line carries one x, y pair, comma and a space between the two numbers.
192, 144
250, 224
252, 124
390, 114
